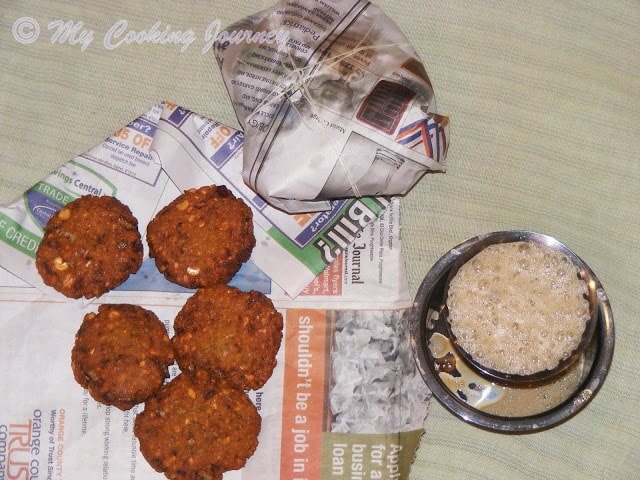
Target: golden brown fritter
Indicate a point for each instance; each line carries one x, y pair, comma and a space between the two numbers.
187, 433
202, 237
121, 354
89, 247
225, 335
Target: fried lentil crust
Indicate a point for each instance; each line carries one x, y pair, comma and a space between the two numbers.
191, 434
202, 237
89, 247
225, 335
121, 354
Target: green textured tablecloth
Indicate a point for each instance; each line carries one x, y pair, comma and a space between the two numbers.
544, 102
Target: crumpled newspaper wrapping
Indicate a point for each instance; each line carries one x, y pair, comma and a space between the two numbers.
375, 384
334, 102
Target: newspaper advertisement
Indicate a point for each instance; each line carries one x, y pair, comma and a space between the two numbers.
345, 400
334, 102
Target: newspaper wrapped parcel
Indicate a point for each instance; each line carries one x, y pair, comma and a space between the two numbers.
334, 101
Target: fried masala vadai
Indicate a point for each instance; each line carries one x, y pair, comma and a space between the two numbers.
202, 237
121, 354
89, 247
226, 335
188, 433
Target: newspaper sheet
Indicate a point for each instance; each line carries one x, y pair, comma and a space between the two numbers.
344, 401
170, 147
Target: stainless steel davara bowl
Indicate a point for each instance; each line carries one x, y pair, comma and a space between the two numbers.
489, 399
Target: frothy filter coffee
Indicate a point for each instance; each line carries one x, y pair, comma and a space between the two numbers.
518, 308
